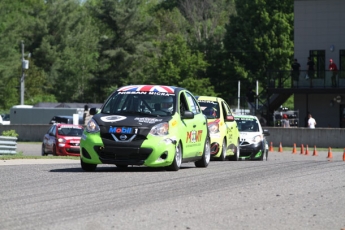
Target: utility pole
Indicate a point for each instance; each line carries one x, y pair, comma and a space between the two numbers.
25, 65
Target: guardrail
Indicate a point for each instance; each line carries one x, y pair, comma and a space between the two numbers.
8, 145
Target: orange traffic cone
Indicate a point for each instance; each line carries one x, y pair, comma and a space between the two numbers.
306, 150
344, 155
280, 148
315, 152
329, 153
302, 149
271, 147
294, 149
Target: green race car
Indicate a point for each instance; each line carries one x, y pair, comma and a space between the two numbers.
150, 125
225, 137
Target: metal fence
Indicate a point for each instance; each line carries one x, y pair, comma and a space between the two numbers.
8, 145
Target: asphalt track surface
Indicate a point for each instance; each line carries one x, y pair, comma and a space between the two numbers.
289, 191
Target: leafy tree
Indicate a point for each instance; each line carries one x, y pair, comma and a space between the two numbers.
124, 40
259, 38
207, 20
175, 64
67, 50
15, 16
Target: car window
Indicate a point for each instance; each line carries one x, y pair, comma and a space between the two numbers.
70, 131
247, 125
183, 105
53, 130
227, 108
210, 108
194, 106
133, 102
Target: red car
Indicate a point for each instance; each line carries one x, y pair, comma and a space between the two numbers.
62, 140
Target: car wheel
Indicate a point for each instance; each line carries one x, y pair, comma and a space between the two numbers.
224, 147
121, 166
266, 154
176, 164
236, 155
206, 156
87, 167
262, 155
54, 151
43, 152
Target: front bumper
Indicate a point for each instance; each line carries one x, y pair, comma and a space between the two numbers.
152, 152
68, 151
252, 151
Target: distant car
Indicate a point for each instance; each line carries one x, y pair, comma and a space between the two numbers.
62, 140
65, 119
5, 119
253, 143
150, 125
225, 137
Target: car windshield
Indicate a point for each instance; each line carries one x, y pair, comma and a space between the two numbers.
247, 125
210, 109
70, 131
140, 103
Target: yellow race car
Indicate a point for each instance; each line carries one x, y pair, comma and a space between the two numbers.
225, 137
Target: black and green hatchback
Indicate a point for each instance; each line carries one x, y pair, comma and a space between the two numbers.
150, 125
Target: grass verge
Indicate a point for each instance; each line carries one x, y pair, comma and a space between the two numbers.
21, 156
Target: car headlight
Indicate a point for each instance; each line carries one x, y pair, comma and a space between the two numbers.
61, 140
213, 128
92, 126
161, 129
257, 138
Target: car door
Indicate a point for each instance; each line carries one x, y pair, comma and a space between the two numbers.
231, 126
197, 128
51, 139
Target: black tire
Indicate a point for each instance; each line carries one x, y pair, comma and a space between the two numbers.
206, 156
121, 166
54, 151
224, 147
43, 152
237, 154
266, 154
87, 167
262, 155
176, 164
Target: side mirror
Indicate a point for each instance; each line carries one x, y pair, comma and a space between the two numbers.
187, 115
229, 118
266, 132
93, 111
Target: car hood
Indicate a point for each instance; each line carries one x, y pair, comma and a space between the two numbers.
68, 138
248, 136
120, 120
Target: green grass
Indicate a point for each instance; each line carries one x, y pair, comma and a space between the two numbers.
21, 156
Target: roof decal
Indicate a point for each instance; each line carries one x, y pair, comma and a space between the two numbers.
149, 88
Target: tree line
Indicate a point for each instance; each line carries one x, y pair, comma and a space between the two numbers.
83, 50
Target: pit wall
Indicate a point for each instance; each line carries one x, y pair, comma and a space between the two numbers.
319, 137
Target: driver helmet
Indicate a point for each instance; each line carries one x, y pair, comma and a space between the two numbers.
167, 104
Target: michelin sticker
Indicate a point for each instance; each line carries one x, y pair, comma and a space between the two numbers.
113, 118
